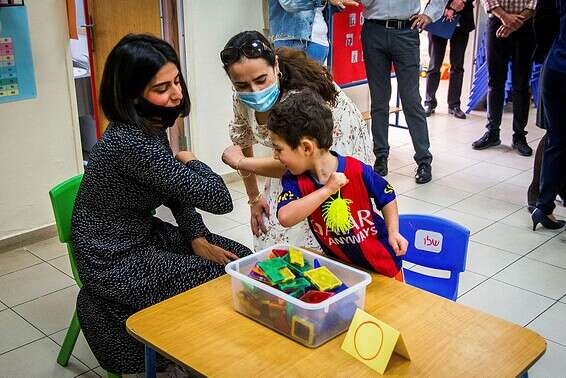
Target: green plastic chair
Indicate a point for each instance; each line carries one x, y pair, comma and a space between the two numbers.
63, 200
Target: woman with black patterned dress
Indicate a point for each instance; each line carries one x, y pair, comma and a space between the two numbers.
128, 259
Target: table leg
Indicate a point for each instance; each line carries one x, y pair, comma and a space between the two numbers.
149, 362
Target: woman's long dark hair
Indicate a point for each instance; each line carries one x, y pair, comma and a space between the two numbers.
297, 70
130, 66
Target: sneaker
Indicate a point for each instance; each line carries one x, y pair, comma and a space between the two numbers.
429, 110
457, 112
424, 173
380, 166
489, 139
520, 144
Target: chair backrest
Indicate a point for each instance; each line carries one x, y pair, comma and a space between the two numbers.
436, 243
63, 201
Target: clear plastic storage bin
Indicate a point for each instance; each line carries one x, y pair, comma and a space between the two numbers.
308, 323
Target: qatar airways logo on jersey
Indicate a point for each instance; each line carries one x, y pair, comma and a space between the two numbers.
362, 222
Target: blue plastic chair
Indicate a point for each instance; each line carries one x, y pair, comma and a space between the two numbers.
436, 243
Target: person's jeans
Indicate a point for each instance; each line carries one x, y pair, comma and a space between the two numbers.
382, 47
313, 50
437, 49
554, 158
518, 47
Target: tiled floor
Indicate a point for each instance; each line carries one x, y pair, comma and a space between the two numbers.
512, 272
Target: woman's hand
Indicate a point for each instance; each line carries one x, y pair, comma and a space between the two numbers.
399, 243
457, 5
257, 210
232, 156
342, 3
208, 251
185, 156
449, 14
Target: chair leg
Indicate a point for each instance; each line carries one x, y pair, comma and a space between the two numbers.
69, 342
149, 362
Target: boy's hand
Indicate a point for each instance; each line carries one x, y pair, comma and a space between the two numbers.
399, 244
336, 181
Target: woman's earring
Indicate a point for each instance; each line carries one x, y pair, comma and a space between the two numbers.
280, 75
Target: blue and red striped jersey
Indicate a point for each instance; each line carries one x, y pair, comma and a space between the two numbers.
366, 244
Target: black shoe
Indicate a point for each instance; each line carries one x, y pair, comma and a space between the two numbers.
429, 110
520, 144
380, 167
457, 112
424, 173
539, 217
489, 139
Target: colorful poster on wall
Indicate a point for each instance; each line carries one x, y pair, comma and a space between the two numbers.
17, 79
346, 55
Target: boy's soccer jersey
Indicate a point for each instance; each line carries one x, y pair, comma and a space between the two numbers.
366, 244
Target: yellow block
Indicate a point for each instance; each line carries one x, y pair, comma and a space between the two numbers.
287, 274
296, 257
372, 342
323, 278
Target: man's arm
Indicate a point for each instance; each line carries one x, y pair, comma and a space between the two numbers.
435, 9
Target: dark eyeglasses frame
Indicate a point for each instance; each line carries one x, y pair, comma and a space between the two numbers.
252, 49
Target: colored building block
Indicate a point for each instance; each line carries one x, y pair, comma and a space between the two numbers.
298, 270
323, 279
287, 275
296, 257
313, 296
299, 283
302, 330
271, 269
279, 252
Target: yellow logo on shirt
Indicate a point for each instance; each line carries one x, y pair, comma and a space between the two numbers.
388, 189
285, 197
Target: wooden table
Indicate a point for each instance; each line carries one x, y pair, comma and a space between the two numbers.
200, 329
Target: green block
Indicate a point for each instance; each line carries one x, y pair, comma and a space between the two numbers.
299, 283
297, 293
275, 263
299, 270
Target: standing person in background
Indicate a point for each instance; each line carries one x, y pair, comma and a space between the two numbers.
510, 35
546, 22
300, 24
458, 44
390, 35
554, 158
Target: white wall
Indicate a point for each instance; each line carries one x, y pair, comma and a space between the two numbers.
208, 26
39, 143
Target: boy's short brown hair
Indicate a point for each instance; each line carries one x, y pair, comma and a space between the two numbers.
302, 114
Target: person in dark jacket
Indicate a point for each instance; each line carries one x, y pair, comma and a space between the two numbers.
546, 23
128, 259
437, 49
553, 92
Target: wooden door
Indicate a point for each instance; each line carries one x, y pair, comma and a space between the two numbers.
111, 20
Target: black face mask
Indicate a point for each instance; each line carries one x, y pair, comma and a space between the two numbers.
163, 115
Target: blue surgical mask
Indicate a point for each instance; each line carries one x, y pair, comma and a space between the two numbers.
260, 101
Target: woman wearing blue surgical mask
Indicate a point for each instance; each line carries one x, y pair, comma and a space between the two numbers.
261, 76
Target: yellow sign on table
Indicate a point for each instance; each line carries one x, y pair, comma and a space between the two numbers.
373, 342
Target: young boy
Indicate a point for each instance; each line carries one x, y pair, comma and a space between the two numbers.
301, 132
